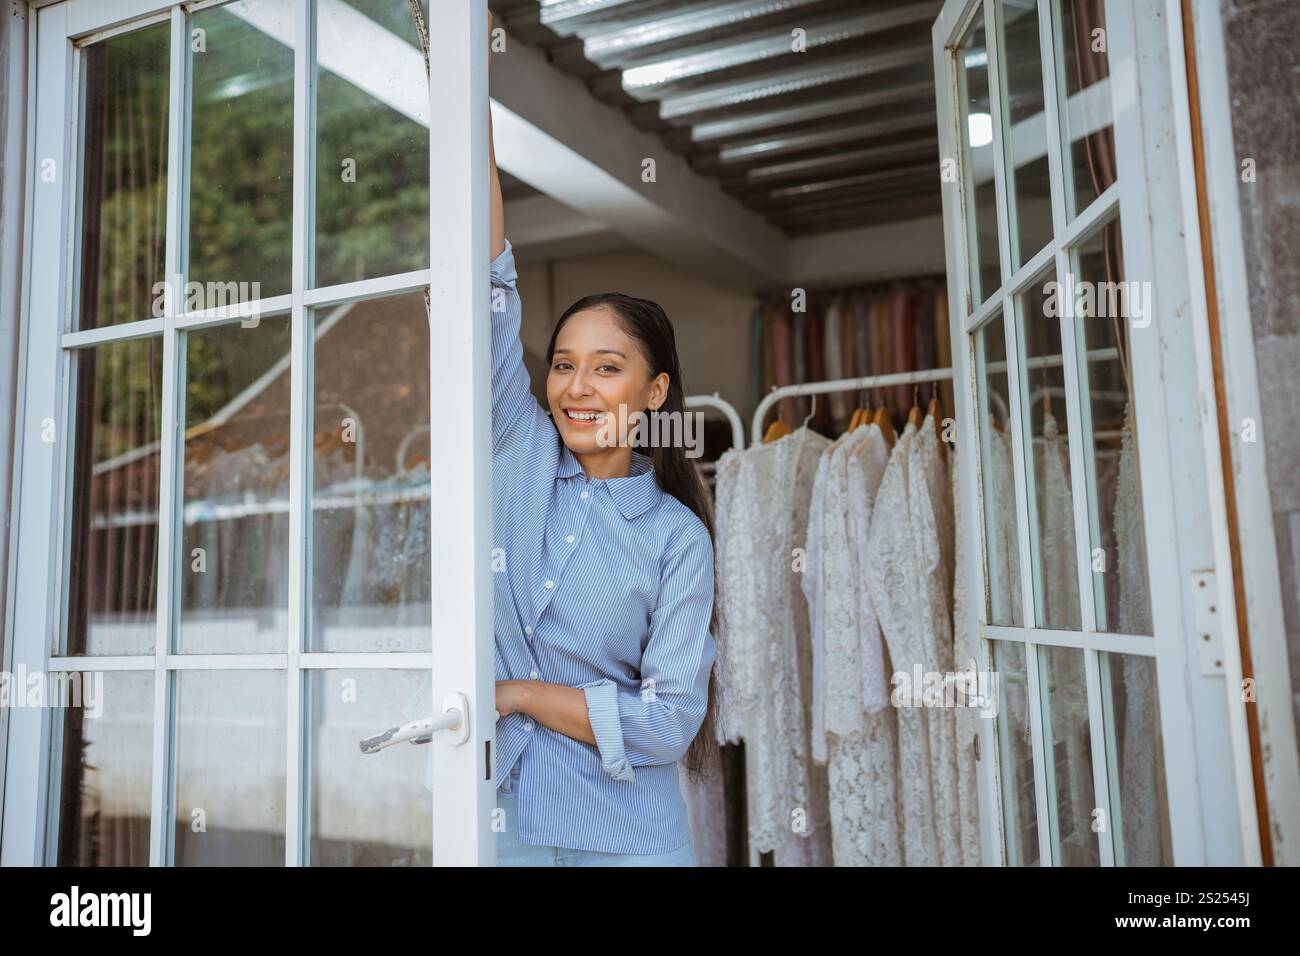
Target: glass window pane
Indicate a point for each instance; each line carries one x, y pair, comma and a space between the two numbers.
1025, 135
1103, 308
124, 175
372, 142
113, 547
241, 145
229, 760
1016, 755
368, 809
234, 555
1139, 802
1064, 691
1086, 123
1051, 538
370, 523
977, 149
107, 770
1002, 544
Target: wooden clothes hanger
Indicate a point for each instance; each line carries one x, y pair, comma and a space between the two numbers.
778, 429
885, 425
914, 416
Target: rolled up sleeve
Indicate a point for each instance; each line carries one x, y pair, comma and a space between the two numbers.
656, 723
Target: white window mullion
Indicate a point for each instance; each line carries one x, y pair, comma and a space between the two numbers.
160, 827
1060, 151
1044, 775
300, 415
1105, 763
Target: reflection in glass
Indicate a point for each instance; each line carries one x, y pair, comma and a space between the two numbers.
1016, 755
370, 531
998, 475
1064, 690
1086, 122
113, 567
124, 178
229, 759
107, 767
1051, 539
241, 146
368, 809
1103, 316
1131, 707
1025, 136
372, 142
977, 142
234, 558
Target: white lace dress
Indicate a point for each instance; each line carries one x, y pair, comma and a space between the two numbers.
966, 657
1068, 688
866, 828
1004, 546
892, 579
764, 500
929, 493
1141, 771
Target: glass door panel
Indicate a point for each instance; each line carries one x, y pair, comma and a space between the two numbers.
1052, 410
977, 152
1025, 136
1042, 379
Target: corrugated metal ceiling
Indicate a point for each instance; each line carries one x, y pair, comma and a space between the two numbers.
837, 136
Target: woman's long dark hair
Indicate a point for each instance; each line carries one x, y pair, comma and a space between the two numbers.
646, 322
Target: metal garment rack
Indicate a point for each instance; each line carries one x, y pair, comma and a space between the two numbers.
721, 404
842, 385
896, 378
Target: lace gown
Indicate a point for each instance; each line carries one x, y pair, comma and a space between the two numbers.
1141, 774
862, 742
1068, 691
764, 500
892, 582
966, 657
929, 494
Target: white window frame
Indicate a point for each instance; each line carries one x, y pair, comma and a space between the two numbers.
461, 659
1196, 707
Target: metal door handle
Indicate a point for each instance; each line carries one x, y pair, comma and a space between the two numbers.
455, 708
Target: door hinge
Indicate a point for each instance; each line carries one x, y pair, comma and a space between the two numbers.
1207, 621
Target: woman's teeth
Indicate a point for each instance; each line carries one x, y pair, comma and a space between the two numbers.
583, 416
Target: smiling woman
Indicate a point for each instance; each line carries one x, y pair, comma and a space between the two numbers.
605, 616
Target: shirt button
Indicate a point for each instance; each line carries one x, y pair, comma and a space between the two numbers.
549, 585
569, 539
528, 724
583, 495
532, 675
528, 629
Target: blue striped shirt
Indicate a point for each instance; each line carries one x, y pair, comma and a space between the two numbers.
607, 586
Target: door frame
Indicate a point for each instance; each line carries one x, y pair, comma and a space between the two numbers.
1196, 705
463, 797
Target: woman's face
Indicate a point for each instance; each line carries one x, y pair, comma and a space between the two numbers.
596, 368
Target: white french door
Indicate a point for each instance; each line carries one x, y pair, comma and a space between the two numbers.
1116, 736
242, 508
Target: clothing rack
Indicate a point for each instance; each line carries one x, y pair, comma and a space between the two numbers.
842, 385
716, 401
896, 378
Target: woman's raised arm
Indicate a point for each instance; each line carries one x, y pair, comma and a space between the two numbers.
494, 185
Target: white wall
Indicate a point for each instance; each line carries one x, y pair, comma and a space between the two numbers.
711, 322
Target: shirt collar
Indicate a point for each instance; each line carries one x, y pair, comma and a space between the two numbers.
633, 494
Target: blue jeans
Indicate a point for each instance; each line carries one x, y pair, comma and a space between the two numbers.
512, 852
